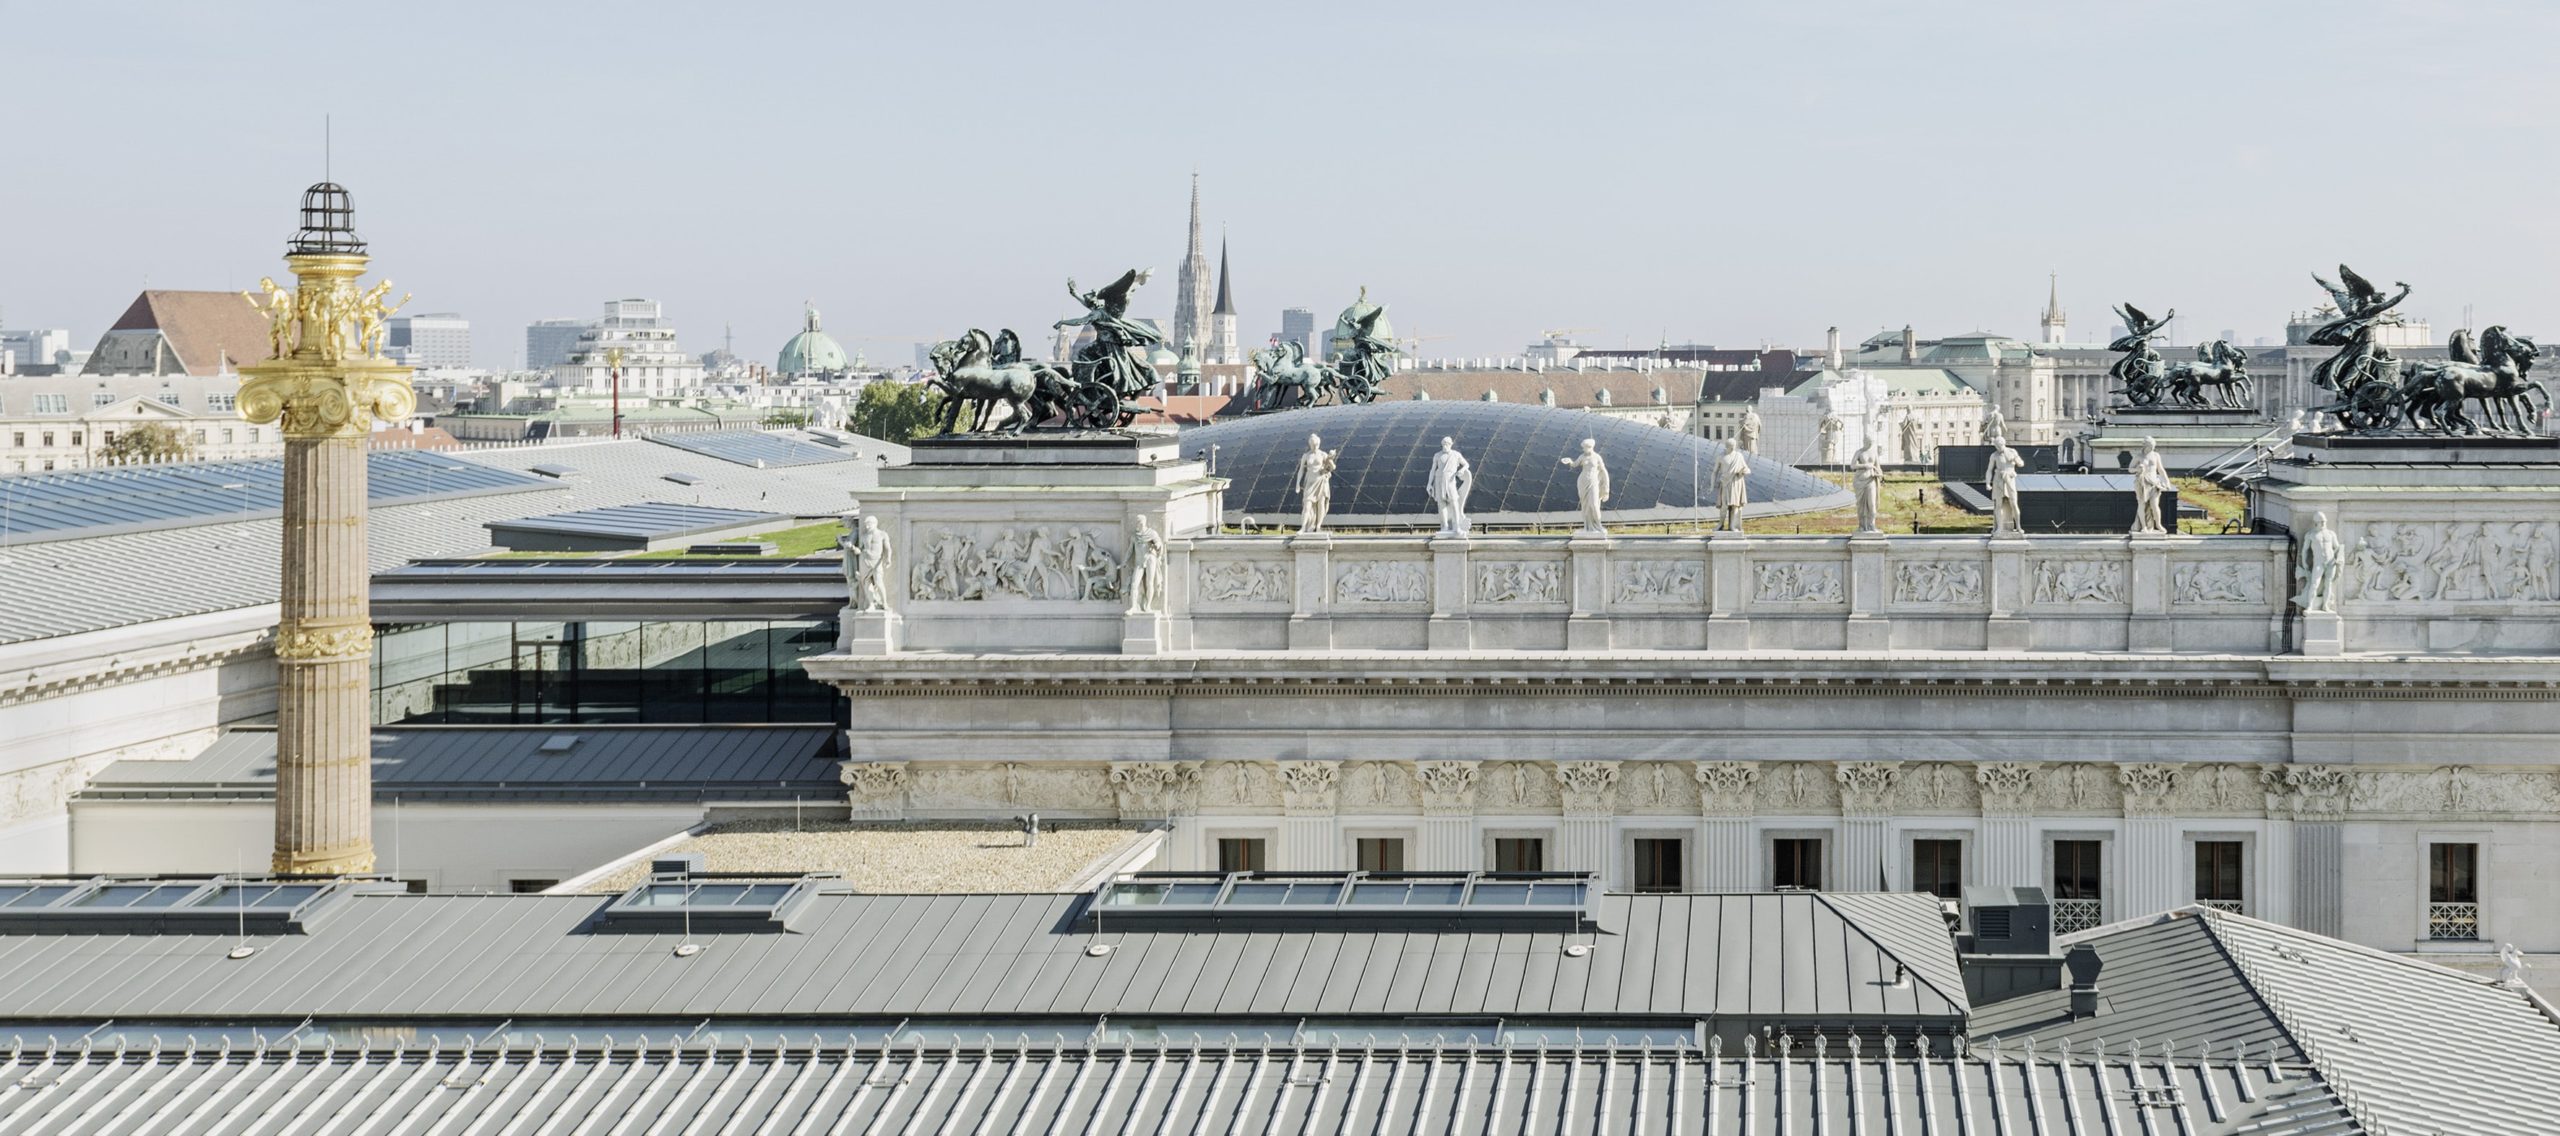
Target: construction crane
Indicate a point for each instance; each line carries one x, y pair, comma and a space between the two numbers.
1407, 343
1559, 332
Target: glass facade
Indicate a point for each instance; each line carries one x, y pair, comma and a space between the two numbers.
500, 673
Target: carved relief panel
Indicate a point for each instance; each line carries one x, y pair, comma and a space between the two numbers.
1797, 582
1519, 581
2451, 561
1381, 581
1016, 562
1682, 582
1246, 582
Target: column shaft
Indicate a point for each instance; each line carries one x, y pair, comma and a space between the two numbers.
324, 773
1728, 861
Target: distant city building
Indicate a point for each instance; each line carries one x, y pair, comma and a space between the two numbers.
435, 341
547, 343
2053, 324
1224, 347
812, 353
1298, 325
34, 350
1192, 301
653, 363
63, 422
182, 333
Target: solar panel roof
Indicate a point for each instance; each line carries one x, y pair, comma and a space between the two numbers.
93, 502
749, 447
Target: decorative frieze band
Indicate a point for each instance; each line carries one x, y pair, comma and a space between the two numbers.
1592, 787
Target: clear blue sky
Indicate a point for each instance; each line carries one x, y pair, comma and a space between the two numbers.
1727, 173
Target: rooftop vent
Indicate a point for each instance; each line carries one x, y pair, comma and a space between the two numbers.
1538, 900
684, 479
2010, 921
560, 743
549, 470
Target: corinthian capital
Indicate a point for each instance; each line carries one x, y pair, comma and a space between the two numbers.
1448, 787
1589, 786
1728, 788
1309, 787
2008, 787
1866, 787
2148, 785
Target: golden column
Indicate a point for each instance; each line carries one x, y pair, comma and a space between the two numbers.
327, 382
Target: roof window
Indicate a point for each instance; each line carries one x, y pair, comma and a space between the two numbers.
1562, 899
679, 897
173, 905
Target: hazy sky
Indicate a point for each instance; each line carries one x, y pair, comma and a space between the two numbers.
1725, 173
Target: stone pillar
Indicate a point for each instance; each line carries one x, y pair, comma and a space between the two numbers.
328, 390
1866, 824
1728, 596
1311, 618
1448, 816
1590, 799
2007, 857
2007, 630
2148, 877
2308, 860
1308, 791
1586, 627
2147, 626
1869, 591
1450, 595
1728, 796
875, 790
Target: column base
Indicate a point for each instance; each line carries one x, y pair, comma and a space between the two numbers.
2322, 633
869, 633
1142, 633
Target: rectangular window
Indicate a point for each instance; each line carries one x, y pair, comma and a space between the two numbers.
1796, 862
2078, 874
75, 437
1519, 854
1379, 853
2218, 874
530, 887
1240, 854
220, 401
415, 887
2453, 891
101, 398
1937, 867
48, 437
53, 404
1658, 864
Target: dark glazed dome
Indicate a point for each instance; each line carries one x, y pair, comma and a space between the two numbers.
1516, 450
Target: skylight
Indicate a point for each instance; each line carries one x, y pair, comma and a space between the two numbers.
200, 905
681, 902
1559, 897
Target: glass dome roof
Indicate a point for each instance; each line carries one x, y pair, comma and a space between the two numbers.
1516, 451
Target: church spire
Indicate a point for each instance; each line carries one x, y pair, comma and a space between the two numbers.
2053, 320
1191, 287
1193, 249
1226, 303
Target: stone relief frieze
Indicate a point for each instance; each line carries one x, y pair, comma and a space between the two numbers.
1245, 581
2148, 786
2454, 789
2218, 787
1658, 787
1937, 787
1447, 786
2218, 582
1797, 581
2078, 581
1155, 788
1007, 784
2078, 787
1661, 582
1238, 785
1798, 787
1519, 581
1518, 786
1867, 787
1372, 785
2431, 561
1728, 788
1937, 581
1382, 581
1017, 562
1308, 787
2008, 788
1588, 787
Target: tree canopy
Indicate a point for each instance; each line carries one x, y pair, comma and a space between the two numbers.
148, 442
893, 411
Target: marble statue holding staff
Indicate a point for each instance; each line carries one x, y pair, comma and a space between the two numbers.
1747, 438
2002, 477
1591, 483
1314, 484
2315, 566
1452, 478
1146, 569
1866, 478
1733, 487
2150, 481
866, 566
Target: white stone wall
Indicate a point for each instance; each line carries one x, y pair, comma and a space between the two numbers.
452, 846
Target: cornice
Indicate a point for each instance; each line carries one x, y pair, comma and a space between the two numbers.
1146, 686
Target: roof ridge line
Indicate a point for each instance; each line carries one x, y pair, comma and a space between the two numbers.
2358, 948
1824, 898
2312, 1053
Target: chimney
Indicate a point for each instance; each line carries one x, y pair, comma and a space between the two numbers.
1910, 346
1831, 349
2083, 963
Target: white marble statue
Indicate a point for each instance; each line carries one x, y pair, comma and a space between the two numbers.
1733, 488
1747, 438
1146, 569
866, 566
2150, 481
1314, 484
1866, 479
2293, 425
2001, 474
2315, 566
1591, 483
1995, 429
2511, 966
1451, 480
1827, 438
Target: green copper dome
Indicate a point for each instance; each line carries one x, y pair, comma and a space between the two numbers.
811, 352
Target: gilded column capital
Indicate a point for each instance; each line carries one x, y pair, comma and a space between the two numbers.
1728, 788
325, 376
304, 642
1866, 787
1448, 786
1309, 788
1589, 787
2148, 785
2008, 787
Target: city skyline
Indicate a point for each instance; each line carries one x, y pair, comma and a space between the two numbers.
1828, 172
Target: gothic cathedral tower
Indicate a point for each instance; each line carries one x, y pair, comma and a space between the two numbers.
1191, 295
2053, 322
1223, 347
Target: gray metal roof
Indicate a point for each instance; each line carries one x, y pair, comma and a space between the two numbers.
513, 763
591, 1088
638, 521
113, 499
1767, 958
755, 448
2412, 1046
63, 587
436, 591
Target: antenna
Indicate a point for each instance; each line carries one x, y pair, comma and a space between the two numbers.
325, 173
